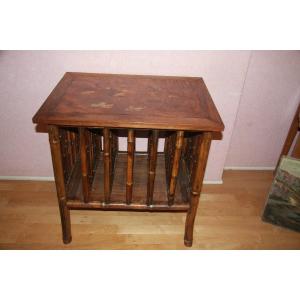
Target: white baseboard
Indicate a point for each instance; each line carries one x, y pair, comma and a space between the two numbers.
213, 182
42, 178
250, 168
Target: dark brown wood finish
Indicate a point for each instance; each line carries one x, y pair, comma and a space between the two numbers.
54, 139
130, 101
84, 163
130, 161
175, 166
152, 157
107, 162
84, 108
197, 180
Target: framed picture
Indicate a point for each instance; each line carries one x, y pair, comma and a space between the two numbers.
283, 203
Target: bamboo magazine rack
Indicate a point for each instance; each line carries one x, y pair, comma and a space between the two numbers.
87, 113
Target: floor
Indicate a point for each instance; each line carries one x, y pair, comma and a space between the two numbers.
229, 217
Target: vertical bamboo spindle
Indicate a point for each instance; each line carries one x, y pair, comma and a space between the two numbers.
149, 149
84, 166
114, 152
130, 162
106, 154
77, 146
110, 154
196, 142
167, 159
91, 153
184, 148
64, 153
100, 143
70, 153
170, 157
175, 166
152, 148
197, 180
54, 140
67, 155
73, 146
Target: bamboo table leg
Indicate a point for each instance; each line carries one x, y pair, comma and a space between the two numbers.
54, 140
197, 181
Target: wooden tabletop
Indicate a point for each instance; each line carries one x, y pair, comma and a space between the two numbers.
130, 101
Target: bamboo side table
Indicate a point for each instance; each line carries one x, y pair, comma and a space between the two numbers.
86, 113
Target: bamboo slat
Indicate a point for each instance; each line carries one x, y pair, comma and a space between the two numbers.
168, 157
73, 146
152, 148
55, 145
84, 164
114, 152
124, 206
175, 167
107, 161
130, 162
91, 154
70, 152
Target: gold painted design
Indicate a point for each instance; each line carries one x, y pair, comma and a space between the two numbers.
102, 105
133, 108
294, 201
87, 92
121, 93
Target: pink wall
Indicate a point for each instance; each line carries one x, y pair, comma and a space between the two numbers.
269, 99
262, 86
27, 77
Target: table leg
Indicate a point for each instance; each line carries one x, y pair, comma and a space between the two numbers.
54, 140
197, 180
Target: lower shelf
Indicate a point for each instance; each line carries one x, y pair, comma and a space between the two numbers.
118, 194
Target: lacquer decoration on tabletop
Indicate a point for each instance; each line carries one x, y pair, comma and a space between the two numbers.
87, 113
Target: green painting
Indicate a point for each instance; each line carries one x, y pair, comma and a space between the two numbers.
283, 203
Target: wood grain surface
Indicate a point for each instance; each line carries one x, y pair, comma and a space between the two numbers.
228, 217
130, 101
